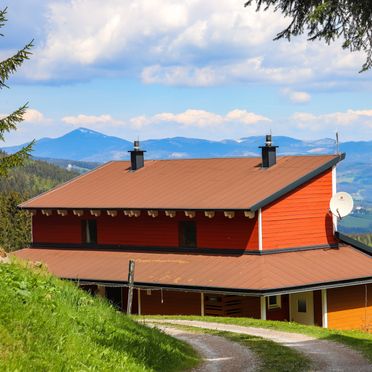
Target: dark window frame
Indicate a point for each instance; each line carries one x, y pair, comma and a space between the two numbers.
90, 224
184, 229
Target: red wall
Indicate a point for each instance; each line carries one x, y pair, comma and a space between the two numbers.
218, 232
300, 218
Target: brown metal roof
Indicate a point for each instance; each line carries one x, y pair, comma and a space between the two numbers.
245, 272
226, 183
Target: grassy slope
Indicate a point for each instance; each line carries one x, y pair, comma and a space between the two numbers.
50, 325
361, 341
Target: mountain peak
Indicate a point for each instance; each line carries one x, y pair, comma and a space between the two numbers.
86, 131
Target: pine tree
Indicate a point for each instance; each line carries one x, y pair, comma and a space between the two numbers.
7, 68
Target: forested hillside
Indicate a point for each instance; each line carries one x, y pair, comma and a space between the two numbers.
20, 184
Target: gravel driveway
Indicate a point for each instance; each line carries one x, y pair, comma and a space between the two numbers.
325, 355
218, 353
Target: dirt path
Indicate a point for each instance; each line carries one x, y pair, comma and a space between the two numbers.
325, 355
219, 354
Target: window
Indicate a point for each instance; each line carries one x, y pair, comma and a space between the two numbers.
274, 302
301, 305
89, 230
187, 234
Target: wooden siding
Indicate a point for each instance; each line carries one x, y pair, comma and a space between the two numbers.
218, 232
56, 229
350, 307
174, 303
300, 218
318, 316
281, 313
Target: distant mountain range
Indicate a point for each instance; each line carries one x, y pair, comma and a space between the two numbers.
83, 149
87, 145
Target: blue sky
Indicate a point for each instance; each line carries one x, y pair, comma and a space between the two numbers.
162, 68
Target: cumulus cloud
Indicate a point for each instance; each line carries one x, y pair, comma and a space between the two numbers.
90, 119
296, 96
35, 116
248, 70
351, 124
199, 118
192, 43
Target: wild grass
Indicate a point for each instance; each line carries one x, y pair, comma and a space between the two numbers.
50, 325
358, 340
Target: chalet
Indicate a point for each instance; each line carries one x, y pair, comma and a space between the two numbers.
249, 237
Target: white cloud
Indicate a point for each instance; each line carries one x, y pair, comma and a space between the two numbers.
350, 123
192, 43
296, 96
90, 119
35, 116
248, 70
199, 118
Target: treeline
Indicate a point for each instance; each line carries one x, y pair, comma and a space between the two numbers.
19, 185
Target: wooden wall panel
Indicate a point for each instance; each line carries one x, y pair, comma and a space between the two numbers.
218, 232
350, 307
174, 303
56, 229
318, 317
301, 217
251, 307
281, 313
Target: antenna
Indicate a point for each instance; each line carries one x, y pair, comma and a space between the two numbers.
341, 204
337, 144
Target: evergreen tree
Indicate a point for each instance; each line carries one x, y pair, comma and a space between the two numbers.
327, 20
7, 68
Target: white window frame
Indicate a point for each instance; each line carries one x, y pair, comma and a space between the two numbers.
278, 303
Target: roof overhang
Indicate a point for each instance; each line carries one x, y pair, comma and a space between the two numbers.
251, 275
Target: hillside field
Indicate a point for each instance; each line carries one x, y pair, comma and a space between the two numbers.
50, 325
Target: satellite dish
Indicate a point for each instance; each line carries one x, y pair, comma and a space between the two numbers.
341, 204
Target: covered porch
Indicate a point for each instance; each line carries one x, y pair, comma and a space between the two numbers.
324, 287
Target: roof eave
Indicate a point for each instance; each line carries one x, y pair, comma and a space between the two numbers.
354, 243
297, 183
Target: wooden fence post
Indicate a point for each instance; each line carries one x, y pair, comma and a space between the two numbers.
130, 286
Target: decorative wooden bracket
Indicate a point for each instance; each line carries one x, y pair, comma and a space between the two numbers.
249, 214
95, 212
190, 214
209, 214
112, 212
132, 212
152, 213
62, 212
78, 212
170, 214
229, 214
46, 212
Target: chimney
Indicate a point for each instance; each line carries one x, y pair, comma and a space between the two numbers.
136, 156
268, 153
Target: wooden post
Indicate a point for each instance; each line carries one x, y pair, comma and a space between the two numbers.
130, 286
202, 304
139, 301
263, 307
324, 309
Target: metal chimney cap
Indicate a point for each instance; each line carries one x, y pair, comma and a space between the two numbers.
136, 145
269, 141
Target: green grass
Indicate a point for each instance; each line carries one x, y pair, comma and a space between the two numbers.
358, 340
271, 355
50, 325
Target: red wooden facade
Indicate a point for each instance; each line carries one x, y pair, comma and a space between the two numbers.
298, 219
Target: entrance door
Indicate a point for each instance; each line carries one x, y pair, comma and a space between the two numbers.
302, 308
